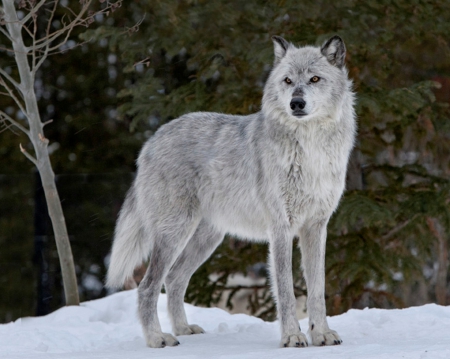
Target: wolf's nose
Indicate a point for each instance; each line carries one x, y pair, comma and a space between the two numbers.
297, 103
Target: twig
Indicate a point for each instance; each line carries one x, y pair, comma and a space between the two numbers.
46, 52
7, 49
397, 229
43, 139
8, 127
27, 155
63, 51
4, 32
145, 62
135, 27
33, 36
12, 95
13, 122
28, 31
52, 14
46, 41
9, 78
32, 11
40, 62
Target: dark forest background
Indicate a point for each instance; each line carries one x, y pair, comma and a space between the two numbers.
387, 243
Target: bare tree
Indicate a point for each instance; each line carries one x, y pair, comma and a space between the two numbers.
30, 45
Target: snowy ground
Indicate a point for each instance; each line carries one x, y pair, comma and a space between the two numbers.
108, 328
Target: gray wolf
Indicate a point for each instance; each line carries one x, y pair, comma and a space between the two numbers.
269, 176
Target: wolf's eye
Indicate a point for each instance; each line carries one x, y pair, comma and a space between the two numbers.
315, 79
288, 80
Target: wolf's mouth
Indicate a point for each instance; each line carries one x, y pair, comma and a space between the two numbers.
299, 113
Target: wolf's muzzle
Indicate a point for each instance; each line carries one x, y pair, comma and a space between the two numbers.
297, 105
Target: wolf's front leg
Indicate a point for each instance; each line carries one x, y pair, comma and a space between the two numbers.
283, 290
312, 243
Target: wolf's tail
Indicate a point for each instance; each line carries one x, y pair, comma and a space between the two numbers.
130, 247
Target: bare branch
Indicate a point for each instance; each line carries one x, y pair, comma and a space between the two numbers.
7, 34
5, 117
88, 21
67, 29
6, 49
52, 14
32, 11
12, 95
27, 155
73, 12
56, 47
33, 36
54, 52
46, 51
9, 78
28, 32
79, 20
4, 32
44, 47
40, 62
47, 122
9, 127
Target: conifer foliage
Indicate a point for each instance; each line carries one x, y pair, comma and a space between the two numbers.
387, 243
390, 234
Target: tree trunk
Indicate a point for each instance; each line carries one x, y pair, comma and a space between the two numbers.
354, 180
40, 144
442, 249
40, 243
441, 280
60, 230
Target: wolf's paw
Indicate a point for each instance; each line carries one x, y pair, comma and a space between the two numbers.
294, 340
329, 337
189, 329
161, 340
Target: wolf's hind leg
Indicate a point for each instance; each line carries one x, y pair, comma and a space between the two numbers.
167, 246
202, 244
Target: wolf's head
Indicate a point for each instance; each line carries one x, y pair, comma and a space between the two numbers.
306, 83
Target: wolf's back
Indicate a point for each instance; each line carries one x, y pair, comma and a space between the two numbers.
130, 247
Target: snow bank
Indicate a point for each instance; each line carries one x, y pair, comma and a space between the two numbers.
109, 328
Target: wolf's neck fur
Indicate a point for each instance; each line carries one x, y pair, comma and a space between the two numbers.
285, 128
313, 153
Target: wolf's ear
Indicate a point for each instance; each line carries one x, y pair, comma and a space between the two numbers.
280, 47
334, 51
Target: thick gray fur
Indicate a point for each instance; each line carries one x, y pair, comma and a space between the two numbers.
267, 177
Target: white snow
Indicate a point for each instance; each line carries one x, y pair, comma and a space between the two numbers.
109, 328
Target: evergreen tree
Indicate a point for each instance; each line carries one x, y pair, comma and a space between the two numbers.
215, 56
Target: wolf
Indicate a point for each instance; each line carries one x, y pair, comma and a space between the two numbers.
270, 176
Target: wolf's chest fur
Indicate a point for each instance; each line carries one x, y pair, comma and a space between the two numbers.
314, 176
